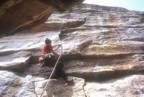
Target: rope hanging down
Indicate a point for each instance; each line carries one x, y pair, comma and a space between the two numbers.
52, 72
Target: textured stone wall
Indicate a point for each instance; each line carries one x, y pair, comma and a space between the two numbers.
102, 51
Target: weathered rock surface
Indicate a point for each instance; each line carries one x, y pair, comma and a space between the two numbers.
9, 84
12, 85
131, 86
102, 46
16, 14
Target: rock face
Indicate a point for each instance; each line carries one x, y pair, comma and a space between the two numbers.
102, 48
18, 14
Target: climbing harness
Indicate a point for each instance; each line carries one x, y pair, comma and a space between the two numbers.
52, 72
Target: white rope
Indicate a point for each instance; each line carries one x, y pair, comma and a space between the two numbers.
51, 73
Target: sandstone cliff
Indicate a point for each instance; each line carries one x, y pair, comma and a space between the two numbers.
103, 52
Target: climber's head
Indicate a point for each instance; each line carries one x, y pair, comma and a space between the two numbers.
47, 41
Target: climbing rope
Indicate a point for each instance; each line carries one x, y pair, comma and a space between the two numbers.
52, 72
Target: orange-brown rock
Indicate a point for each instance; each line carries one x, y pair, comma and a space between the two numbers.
16, 14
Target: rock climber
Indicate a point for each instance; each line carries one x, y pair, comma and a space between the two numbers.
49, 58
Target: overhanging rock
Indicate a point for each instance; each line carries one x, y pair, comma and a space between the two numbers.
16, 14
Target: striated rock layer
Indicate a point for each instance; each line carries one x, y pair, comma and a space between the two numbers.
102, 48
